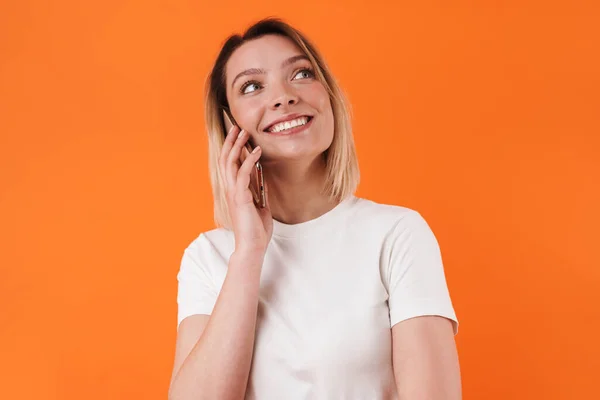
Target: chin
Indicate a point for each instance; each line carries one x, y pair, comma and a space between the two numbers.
294, 153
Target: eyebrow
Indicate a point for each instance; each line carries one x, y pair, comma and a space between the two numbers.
260, 71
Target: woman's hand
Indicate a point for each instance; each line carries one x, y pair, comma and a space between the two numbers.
252, 226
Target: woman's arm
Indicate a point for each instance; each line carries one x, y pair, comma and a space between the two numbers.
425, 359
218, 364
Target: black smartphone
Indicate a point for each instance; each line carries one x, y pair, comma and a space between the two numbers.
257, 182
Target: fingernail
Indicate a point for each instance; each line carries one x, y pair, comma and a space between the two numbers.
241, 133
255, 149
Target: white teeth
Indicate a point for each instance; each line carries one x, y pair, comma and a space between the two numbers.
288, 124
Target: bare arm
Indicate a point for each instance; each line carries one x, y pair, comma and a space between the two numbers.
218, 364
425, 359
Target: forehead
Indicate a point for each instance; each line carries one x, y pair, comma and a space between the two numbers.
266, 52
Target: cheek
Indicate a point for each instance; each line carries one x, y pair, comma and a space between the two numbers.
323, 103
317, 96
248, 115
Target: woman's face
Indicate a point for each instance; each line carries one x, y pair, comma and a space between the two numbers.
275, 96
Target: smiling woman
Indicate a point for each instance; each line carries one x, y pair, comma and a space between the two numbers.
271, 60
320, 294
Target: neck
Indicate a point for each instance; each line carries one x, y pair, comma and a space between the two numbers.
296, 190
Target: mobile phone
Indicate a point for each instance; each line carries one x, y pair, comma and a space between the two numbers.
257, 182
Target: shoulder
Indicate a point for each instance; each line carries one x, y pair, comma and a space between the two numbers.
386, 209
217, 237
208, 245
387, 217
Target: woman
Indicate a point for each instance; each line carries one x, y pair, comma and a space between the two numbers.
320, 294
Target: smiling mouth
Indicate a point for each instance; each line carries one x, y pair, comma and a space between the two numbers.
282, 127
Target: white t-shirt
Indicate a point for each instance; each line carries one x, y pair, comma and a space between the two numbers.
330, 291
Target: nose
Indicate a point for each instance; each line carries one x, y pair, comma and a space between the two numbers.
284, 97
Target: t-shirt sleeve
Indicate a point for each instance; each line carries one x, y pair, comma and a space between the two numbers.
196, 293
417, 282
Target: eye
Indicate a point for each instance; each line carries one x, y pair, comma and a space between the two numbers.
249, 84
305, 73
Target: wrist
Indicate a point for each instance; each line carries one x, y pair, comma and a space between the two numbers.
248, 256
252, 252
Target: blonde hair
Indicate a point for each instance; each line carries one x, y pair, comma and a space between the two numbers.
342, 175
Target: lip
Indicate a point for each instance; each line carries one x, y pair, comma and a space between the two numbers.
292, 131
288, 117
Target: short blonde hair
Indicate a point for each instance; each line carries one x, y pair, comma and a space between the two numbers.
342, 163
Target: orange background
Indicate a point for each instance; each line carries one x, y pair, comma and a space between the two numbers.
485, 118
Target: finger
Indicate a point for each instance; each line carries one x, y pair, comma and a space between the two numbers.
233, 159
230, 137
229, 140
246, 150
243, 176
